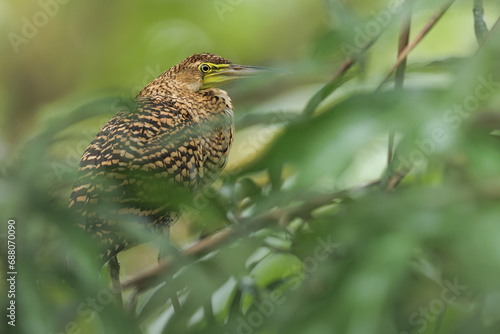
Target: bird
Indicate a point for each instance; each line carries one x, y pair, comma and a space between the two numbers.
175, 140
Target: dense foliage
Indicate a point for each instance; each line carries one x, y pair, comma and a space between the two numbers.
351, 203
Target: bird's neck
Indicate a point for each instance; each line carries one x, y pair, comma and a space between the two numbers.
199, 105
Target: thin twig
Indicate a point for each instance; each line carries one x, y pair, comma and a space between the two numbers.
422, 33
390, 149
404, 38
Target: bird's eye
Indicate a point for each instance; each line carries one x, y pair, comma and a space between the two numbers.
205, 68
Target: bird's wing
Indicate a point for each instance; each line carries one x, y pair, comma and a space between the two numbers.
133, 156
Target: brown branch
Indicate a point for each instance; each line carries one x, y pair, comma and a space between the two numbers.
390, 149
404, 39
155, 275
395, 178
422, 33
346, 65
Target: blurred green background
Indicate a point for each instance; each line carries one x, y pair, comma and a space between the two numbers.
423, 258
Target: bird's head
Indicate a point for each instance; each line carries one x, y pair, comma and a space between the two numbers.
205, 70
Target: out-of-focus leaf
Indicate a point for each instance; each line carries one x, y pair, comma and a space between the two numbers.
274, 268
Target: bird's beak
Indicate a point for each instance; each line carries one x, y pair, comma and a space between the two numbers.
223, 73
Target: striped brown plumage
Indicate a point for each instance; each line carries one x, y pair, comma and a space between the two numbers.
177, 138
